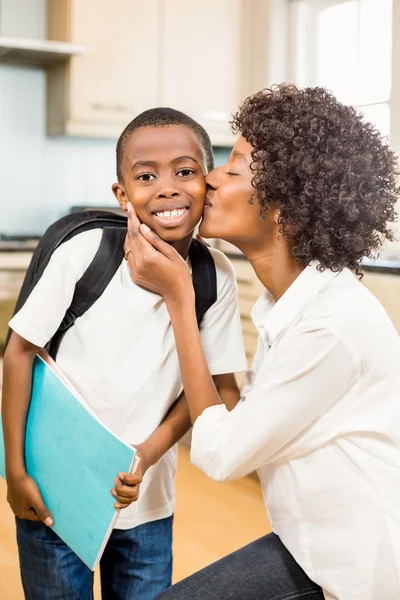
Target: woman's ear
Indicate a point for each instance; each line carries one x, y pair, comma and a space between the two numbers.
276, 212
120, 194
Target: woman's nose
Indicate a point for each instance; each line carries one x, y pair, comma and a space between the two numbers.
212, 179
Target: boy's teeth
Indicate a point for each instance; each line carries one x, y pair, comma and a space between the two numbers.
171, 213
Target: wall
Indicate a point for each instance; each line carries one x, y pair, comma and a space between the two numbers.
42, 177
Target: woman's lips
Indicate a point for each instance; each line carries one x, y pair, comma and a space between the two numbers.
207, 203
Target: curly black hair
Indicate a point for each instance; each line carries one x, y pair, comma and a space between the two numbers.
332, 174
164, 117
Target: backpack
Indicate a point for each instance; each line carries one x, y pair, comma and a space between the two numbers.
104, 266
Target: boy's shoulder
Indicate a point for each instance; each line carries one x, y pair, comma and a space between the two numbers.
79, 250
224, 269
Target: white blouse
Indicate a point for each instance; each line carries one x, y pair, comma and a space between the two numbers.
320, 420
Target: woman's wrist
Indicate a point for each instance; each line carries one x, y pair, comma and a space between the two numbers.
181, 294
180, 302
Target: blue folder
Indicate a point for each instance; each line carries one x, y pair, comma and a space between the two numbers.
74, 459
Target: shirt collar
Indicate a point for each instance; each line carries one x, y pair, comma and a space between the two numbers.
275, 316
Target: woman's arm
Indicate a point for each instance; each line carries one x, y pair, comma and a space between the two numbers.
177, 422
312, 370
158, 267
200, 388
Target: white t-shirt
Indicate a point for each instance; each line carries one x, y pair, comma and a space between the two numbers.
121, 356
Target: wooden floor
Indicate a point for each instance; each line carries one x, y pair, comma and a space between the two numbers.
211, 520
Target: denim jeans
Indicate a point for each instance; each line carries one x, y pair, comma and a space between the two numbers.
263, 570
136, 564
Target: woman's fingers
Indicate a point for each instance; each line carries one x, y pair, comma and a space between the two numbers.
140, 234
133, 221
153, 264
166, 249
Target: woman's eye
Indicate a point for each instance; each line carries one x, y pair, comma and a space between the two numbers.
146, 177
231, 174
185, 172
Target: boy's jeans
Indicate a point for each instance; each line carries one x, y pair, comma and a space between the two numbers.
136, 564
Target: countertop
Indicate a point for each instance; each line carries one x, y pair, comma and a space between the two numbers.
16, 253
388, 267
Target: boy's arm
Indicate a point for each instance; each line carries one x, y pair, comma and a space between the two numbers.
168, 433
23, 494
177, 422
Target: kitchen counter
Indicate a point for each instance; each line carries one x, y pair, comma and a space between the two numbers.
391, 267
14, 261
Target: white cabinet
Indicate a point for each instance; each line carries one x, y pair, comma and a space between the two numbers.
98, 93
187, 55
201, 61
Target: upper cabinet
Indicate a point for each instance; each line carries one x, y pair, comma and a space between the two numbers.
187, 55
98, 93
201, 69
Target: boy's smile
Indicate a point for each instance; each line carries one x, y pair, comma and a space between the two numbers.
163, 171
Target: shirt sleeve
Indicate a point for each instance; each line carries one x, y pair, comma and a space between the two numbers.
311, 371
220, 330
41, 315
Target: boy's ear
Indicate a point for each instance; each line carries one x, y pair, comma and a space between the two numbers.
120, 194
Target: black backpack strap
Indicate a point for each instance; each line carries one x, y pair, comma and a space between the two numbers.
57, 234
93, 282
204, 277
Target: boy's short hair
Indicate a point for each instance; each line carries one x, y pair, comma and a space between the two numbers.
163, 117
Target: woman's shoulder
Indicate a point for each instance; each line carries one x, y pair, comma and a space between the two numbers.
347, 309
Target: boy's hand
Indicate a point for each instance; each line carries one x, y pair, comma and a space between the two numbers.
126, 489
25, 499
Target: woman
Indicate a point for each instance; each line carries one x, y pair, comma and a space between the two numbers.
308, 191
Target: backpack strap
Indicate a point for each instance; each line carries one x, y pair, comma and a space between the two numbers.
204, 277
93, 282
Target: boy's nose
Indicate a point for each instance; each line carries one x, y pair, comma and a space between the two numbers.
168, 193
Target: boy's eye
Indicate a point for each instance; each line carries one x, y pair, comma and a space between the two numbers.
231, 174
185, 172
146, 177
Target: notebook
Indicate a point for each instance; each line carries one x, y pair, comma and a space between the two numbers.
74, 459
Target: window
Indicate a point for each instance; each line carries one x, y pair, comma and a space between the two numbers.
345, 46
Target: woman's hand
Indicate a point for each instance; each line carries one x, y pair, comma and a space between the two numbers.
154, 264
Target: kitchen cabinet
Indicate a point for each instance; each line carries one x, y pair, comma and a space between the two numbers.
97, 94
201, 70
189, 56
386, 288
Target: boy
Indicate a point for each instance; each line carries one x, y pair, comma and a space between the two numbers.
121, 357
